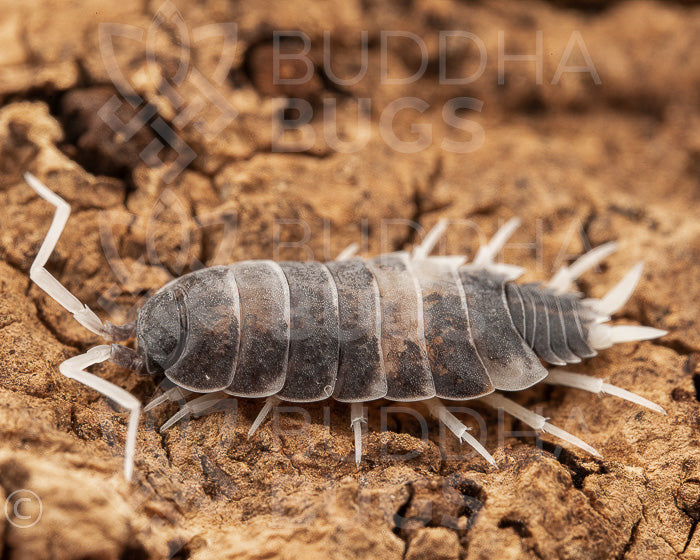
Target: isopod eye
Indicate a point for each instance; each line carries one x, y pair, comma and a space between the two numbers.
161, 329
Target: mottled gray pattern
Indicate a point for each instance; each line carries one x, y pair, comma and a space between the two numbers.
457, 370
510, 363
313, 345
207, 350
361, 374
264, 342
357, 330
408, 375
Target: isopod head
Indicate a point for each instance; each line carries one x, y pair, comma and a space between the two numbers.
161, 330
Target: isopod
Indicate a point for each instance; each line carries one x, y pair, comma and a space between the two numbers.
401, 326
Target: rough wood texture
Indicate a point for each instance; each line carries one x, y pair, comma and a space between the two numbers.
619, 160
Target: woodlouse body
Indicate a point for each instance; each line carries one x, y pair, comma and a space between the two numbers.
357, 330
403, 326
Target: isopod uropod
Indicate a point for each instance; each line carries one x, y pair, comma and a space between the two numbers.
402, 326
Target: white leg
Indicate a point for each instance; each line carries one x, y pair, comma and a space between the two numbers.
597, 386
486, 256
270, 403
196, 407
496, 400
487, 253
617, 297
603, 336
565, 276
74, 369
439, 411
173, 394
42, 277
348, 252
357, 418
431, 239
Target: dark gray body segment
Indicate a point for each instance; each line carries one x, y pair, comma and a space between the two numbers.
510, 363
361, 375
457, 370
264, 341
408, 375
543, 330
210, 348
313, 342
517, 307
160, 330
530, 315
559, 334
575, 337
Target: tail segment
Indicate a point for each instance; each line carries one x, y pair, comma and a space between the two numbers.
562, 328
554, 326
604, 336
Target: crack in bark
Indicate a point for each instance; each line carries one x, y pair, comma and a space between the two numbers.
690, 535
632, 538
654, 532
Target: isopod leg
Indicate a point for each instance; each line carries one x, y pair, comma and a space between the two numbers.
486, 256
356, 409
357, 418
604, 336
44, 279
430, 240
348, 252
617, 297
196, 406
175, 393
565, 276
270, 403
439, 411
127, 358
74, 368
597, 386
496, 400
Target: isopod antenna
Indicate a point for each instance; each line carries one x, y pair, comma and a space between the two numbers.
74, 368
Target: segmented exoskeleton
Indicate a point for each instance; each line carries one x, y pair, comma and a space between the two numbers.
403, 326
